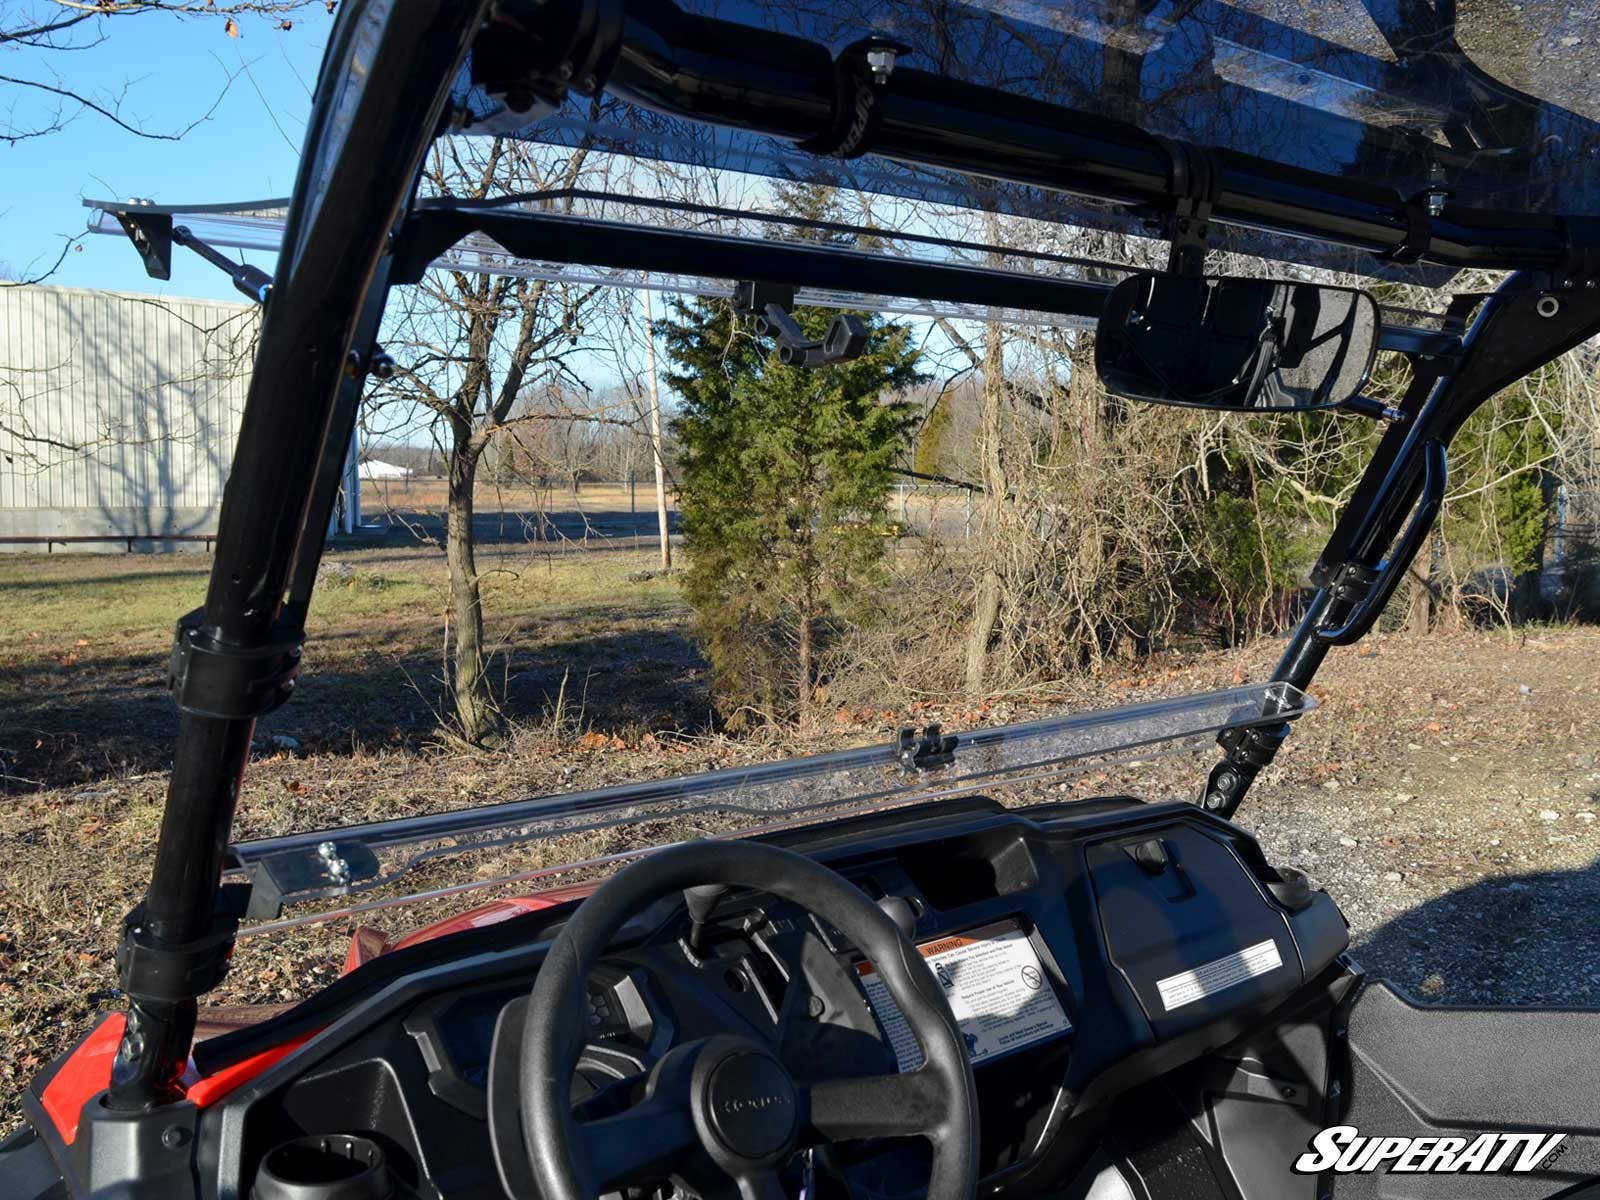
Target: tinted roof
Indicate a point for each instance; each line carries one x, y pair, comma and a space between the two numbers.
1499, 108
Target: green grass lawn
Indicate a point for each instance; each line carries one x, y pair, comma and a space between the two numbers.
83, 653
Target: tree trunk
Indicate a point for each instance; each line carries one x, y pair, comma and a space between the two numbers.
655, 436
474, 713
985, 611
1423, 610
804, 655
986, 600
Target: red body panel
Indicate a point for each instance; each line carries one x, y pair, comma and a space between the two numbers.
87, 1069
214, 1087
85, 1074
368, 943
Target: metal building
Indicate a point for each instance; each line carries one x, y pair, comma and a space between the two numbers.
118, 416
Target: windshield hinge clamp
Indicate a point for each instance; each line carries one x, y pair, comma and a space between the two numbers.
210, 679
1579, 266
152, 971
1419, 213
1246, 750
933, 749
1352, 582
151, 235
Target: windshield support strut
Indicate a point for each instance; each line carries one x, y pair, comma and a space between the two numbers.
1530, 320
355, 177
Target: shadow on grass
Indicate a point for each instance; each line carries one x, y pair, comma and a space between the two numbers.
104, 718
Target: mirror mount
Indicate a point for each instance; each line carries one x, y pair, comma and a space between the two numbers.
772, 306
1366, 406
1192, 179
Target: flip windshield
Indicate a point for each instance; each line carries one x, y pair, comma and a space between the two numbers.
492, 844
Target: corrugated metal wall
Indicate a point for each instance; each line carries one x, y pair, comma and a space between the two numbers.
118, 412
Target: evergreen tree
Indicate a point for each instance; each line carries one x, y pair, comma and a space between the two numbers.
783, 478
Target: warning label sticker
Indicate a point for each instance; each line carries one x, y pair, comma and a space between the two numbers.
1188, 986
996, 987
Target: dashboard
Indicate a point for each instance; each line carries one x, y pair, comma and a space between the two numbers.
1085, 948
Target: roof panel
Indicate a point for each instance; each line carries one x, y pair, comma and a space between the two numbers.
1498, 110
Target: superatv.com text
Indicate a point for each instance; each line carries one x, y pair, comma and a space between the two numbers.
1343, 1149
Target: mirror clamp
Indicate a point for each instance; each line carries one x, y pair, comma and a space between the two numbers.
772, 307
1193, 182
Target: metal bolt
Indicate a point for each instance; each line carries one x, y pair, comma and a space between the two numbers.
1287, 1091
339, 869
1435, 203
814, 1007
881, 60
174, 1136
327, 851
1215, 801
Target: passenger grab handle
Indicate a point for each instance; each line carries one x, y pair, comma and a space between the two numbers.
1393, 568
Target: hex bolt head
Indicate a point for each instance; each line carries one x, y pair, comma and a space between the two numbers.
327, 851
881, 60
814, 1007
174, 1137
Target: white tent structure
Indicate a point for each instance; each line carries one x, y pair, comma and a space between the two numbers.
375, 469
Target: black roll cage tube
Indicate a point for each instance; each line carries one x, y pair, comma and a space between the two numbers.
358, 176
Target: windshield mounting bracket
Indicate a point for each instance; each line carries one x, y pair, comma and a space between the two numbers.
932, 750
209, 678
1579, 266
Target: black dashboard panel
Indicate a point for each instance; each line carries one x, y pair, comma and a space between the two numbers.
1138, 915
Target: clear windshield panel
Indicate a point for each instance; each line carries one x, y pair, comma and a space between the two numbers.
530, 840
1497, 105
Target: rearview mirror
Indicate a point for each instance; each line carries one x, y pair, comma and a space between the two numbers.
1246, 344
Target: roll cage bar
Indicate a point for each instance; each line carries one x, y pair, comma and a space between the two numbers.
355, 229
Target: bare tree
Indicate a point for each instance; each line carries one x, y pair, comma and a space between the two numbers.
484, 357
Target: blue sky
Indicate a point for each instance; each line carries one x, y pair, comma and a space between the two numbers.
174, 70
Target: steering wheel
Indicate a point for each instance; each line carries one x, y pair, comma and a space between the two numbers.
730, 1096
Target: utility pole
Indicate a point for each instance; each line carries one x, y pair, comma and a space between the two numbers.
655, 432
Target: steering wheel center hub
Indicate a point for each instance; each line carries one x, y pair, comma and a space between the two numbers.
747, 1103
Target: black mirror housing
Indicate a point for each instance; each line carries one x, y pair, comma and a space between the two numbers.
1236, 344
